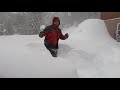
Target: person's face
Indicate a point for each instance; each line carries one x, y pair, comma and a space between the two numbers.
56, 22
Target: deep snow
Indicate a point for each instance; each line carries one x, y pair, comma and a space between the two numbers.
89, 52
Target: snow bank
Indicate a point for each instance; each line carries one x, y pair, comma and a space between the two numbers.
97, 51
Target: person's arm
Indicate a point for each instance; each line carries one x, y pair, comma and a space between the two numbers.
44, 32
41, 34
63, 37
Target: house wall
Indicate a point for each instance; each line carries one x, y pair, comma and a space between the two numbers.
111, 25
111, 20
109, 15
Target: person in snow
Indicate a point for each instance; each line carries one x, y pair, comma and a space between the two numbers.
52, 35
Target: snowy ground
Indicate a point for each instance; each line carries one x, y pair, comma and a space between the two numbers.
89, 52
26, 56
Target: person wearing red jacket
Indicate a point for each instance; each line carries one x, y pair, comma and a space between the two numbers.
52, 35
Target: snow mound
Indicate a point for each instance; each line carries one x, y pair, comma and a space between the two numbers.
102, 51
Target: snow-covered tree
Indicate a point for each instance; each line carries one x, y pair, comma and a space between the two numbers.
28, 23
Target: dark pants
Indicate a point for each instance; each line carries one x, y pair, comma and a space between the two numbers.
52, 48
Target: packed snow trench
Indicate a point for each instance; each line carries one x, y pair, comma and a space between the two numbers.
89, 52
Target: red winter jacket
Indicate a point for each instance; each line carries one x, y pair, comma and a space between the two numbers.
52, 33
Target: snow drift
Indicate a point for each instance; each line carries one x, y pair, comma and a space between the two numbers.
98, 52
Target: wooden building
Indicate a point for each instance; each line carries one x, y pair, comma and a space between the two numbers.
111, 19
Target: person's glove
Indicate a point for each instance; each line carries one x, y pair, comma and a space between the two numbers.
41, 34
66, 35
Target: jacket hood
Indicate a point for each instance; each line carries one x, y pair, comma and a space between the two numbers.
55, 18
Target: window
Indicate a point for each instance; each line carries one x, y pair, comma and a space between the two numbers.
118, 26
118, 32
118, 29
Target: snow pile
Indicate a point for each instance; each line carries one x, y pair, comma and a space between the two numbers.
94, 52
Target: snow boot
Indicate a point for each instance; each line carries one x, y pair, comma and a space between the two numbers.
54, 52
